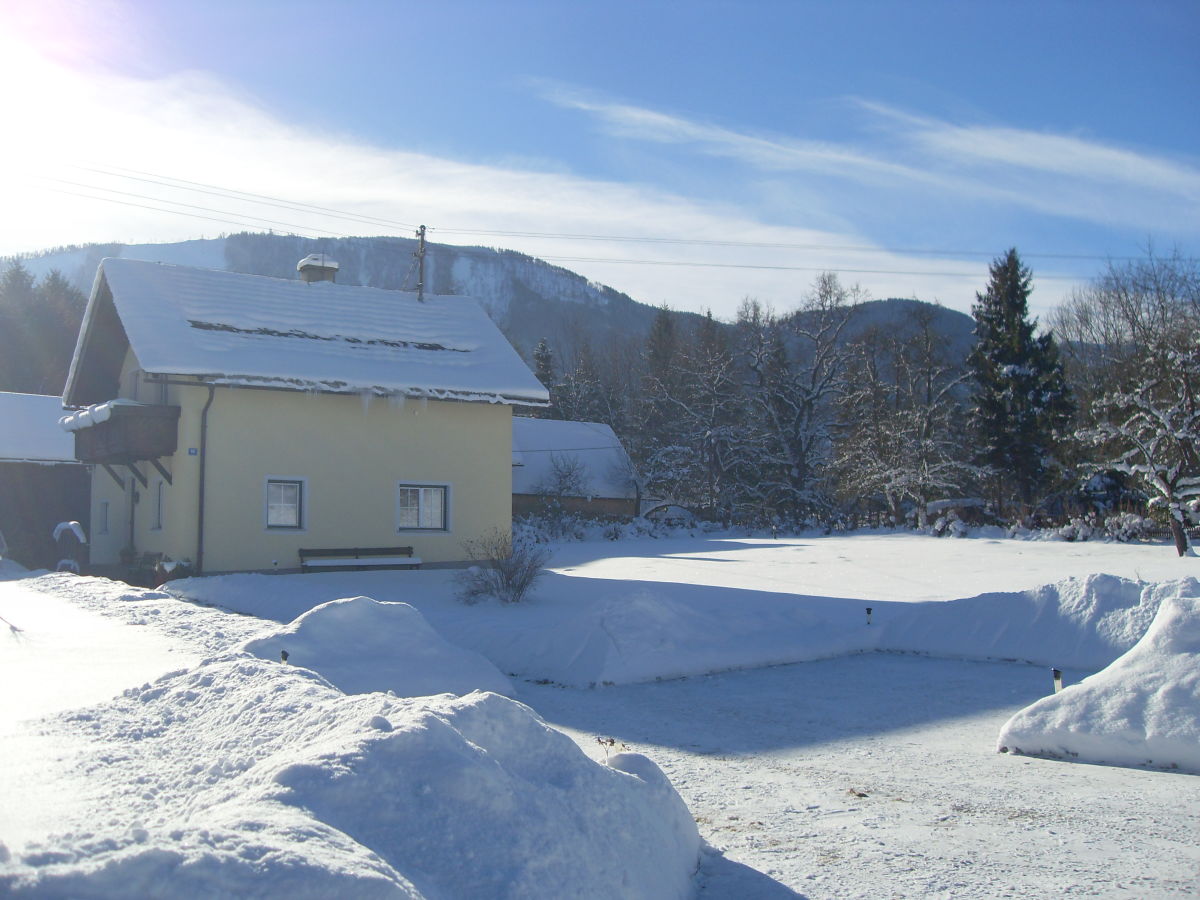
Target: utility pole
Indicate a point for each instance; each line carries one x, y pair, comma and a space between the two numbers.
420, 255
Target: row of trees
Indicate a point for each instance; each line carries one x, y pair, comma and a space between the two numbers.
805, 416
38, 325
811, 416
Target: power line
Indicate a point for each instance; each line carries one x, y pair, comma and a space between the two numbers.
191, 206
227, 219
223, 221
848, 248
217, 190
712, 265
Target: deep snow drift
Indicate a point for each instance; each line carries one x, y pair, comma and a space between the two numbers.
1081, 623
361, 645
241, 774
245, 777
1144, 709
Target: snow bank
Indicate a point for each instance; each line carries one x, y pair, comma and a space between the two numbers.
1083, 623
1144, 709
361, 645
655, 631
10, 568
252, 778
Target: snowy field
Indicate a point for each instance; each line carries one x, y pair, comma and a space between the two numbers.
827, 756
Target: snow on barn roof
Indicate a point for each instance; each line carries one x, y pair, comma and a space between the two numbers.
253, 330
538, 444
29, 430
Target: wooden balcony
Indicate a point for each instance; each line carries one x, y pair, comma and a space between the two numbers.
130, 434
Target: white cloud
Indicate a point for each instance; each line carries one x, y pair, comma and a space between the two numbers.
194, 127
1060, 175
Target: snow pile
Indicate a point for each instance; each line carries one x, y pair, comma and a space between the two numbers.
287, 787
1144, 709
653, 609
361, 645
645, 632
1081, 623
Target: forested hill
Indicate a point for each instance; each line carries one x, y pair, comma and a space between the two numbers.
530, 299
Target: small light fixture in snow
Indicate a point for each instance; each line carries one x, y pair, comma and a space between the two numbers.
868, 615
1057, 673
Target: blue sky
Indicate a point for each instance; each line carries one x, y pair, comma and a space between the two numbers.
739, 148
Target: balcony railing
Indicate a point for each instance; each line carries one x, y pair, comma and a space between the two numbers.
123, 432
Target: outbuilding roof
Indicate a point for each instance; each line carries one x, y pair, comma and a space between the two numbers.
237, 329
29, 430
539, 445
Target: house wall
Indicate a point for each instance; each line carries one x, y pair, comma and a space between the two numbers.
112, 529
351, 454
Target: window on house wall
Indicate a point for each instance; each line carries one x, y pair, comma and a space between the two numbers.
102, 518
156, 521
285, 503
421, 507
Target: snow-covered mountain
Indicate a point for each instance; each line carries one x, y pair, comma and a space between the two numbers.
528, 298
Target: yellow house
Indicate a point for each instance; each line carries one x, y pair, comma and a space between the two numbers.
241, 418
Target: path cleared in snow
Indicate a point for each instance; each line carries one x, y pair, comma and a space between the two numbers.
56, 654
876, 776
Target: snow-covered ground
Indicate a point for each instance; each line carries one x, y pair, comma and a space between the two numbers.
843, 773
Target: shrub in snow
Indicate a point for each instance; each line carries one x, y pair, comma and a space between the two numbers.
506, 567
361, 645
1144, 709
555, 525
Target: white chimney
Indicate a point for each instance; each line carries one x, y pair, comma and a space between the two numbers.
317, 267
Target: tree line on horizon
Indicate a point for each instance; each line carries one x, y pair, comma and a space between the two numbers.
797, 418
785, 420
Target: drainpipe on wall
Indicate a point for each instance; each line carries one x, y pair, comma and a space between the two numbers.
212, 393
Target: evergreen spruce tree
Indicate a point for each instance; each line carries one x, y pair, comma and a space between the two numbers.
1021, 401
543, 368
656, 415
55, 321
19, 362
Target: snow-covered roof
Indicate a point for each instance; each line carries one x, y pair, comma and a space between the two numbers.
540, 444
319, 260
29, 430
254, 330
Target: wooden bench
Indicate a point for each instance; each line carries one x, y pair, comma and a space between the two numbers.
358, 558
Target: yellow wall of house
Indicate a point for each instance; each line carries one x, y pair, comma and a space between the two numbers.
351, 453
175, 534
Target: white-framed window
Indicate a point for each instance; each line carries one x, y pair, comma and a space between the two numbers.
284, 506
422, 507
102, 518
156, 520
